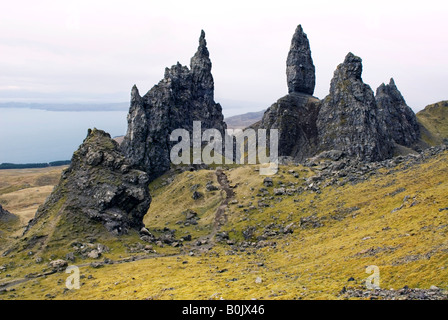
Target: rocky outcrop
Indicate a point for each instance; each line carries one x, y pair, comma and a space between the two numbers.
300, 70
99, 185
5, 215
295, 117
184, 95
395, 116
349, 119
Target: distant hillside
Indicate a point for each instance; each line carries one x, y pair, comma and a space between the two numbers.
435, 120
242, 121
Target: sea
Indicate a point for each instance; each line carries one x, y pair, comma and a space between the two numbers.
41, 136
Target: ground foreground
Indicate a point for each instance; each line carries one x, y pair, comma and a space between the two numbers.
310, 232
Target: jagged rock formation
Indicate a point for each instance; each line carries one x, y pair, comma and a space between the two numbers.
183, 96
349, 119
396, 118
100, 185
300, 70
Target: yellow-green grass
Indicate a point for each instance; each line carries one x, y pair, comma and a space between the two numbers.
170, 201
434, 118
409, 245
23, 190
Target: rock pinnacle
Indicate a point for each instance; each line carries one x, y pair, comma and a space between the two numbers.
300, 70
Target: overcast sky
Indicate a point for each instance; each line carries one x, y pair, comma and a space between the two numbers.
81, 51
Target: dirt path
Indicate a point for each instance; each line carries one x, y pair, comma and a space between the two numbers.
220, 215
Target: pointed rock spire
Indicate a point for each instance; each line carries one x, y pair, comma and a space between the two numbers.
396, 117
135, 95
349, 119
300, 70
201, 68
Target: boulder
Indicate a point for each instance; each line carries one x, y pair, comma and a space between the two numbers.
58, 264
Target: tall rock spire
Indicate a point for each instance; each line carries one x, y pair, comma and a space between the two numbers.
300, 70
201, 68
295, 114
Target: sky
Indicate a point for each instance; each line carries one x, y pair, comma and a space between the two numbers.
95, 51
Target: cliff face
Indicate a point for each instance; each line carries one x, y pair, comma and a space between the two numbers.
349, 119
295, 117
99, 185
184, 95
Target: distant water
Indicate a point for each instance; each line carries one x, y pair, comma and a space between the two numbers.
34, 136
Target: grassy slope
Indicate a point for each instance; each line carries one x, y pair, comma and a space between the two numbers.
409, 246
434, 118
171, 200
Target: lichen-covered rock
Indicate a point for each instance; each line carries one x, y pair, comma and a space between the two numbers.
99, 185
395, 116
300, 70
183, 96
349, 119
